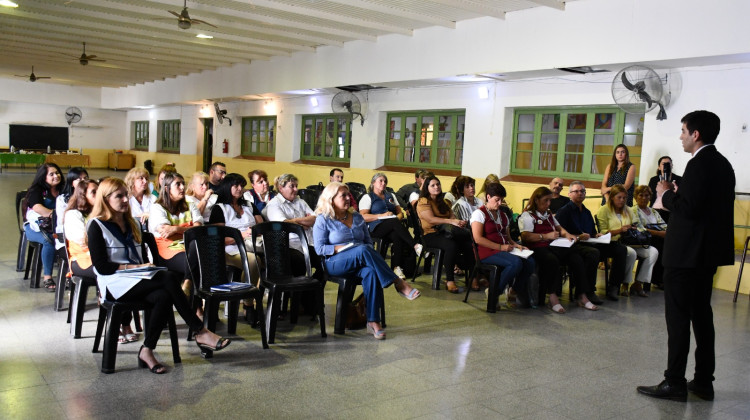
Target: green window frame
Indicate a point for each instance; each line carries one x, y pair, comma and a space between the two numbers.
140, 135
573, 142
427, 139
258, 136
169, 134
326, 137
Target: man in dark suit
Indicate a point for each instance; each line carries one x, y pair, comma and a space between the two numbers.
700, 237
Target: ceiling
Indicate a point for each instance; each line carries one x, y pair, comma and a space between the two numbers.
141, 42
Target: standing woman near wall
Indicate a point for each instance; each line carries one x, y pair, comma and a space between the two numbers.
41, 198
619, 171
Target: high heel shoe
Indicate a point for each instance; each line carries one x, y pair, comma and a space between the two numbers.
221, 343
154, 369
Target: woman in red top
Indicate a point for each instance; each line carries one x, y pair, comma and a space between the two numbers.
489, 226
538, 229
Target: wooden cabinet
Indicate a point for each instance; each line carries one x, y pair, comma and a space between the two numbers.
121, 161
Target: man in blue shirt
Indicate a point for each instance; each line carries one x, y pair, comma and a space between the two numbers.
577, 220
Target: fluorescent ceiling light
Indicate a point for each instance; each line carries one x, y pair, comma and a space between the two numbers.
204, 36
7, 3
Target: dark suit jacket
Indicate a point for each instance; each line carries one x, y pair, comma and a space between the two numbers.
701, 225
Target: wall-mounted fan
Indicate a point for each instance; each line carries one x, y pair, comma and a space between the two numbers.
348, 102
221, 114
638, 88
84, 59
184, 21
73, 115
32, 77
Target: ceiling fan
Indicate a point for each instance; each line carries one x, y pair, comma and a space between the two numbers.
84, 59
184, 21
32, 77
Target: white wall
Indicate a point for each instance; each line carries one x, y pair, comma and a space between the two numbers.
99, 128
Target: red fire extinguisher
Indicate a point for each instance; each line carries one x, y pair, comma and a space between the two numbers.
225, 146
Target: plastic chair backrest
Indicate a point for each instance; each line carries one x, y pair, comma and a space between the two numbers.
414, 221
275, 248
148, 245
309, 196
206, 254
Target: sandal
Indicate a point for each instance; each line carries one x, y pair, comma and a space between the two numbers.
475, 285
221, 343
557, 308
457, 271
379, 334
122, 340
452, 288
131, 337
157, 368
412, 295
49, 285
588, 305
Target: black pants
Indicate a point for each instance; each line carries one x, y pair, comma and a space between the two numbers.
618, 253
161, 292
657, 274
178, 263
455, 251
403, 254
687, 300
549, 260
89, 272
585, 282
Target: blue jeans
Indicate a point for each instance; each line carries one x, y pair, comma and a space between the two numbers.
364, 262
514, 267
48, 249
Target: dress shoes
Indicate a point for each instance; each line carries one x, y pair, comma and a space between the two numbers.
702, 391
665, 391
595, 299
612, 293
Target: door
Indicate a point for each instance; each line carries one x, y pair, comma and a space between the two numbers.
208, 143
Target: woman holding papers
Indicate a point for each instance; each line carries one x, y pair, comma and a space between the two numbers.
342, 239
114, 242
489, 226
551, 244
232, 210
383, 216
616, 218
170, 217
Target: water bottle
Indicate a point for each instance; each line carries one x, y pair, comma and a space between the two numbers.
49, 149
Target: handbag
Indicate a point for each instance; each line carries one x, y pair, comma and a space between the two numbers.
635, 238
451, 231
356, 316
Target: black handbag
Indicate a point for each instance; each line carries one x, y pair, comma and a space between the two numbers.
634, 237
451, 231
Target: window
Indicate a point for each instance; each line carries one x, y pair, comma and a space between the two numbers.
430, 139
169, 133
140, 135
327, 137
574, 142
258, 134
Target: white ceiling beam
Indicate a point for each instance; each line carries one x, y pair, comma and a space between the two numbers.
397, 12
480, 8
555, 4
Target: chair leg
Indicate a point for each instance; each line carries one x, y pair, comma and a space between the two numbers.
272, 314
344, 297
99, 328
109, 353
36, 269
23, 245
29, 259
60, 287
416, 267
321, 312
174, 339
493, 293
739, 275
437, 269
382, 307
233, 309
71, 298
210, 315
79, 307
259, 315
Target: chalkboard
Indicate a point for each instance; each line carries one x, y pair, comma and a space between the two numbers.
38, 137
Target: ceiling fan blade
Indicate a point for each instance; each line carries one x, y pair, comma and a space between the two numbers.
43, 77
174, 13
204, 22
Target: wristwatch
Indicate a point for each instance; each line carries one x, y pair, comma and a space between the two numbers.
541, 237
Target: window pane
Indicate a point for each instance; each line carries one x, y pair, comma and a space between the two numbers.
632, 140
599, 163
550, 122
523, 160
604, 122
577, 122
574, 143
548, 152
573, 162
524, 147
634, 123
526, 122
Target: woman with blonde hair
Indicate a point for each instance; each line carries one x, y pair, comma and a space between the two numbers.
343, 240
200, 195
140, 200
617, 218
114, 243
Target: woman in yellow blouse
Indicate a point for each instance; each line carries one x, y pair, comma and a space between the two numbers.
616, 218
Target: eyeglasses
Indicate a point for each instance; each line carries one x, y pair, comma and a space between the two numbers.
577, 191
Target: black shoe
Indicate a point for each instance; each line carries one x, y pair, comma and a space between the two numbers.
595, 299
612, 293
665, 391
702, 391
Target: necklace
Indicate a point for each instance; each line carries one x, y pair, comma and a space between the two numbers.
346, 216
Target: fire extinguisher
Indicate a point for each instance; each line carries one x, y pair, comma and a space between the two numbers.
225, 146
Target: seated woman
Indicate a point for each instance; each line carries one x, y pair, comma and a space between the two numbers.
616, 218
114, 242
491, 179
140, 200
260, 195
156, 188
334, 228
538, 229
651, 220
458, 250
75, 175
288, 207
383, 215
489, 226
170, 217
41, 199
465, 204
232, 210
200, 195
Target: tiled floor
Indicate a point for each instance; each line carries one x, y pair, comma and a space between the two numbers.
442, 359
